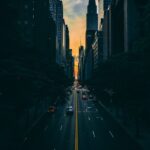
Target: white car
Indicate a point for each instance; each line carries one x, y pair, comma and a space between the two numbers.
69, 110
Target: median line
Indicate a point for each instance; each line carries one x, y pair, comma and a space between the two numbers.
93, 134
111, 134
76, 121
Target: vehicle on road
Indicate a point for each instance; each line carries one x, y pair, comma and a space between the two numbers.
91, 96
84, 97
51, 109
69, 110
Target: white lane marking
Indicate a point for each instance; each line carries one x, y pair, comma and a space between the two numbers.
99, 117
111, 134
45, 128
93, 134
89, 107
89, 118
61, 128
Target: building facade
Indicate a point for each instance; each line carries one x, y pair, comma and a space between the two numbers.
59, 35
92, 17
91, 28
81, 63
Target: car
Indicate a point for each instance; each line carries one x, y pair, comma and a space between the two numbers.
69, 110
51, 109
84, 97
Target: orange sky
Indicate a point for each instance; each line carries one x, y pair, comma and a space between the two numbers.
75, 18
77, 33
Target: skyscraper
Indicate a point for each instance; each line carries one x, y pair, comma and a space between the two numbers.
91, 23
100, 12
106, 4
59, 24
91, 28
53, 4
92, 17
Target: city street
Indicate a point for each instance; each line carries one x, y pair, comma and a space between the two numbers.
90, 127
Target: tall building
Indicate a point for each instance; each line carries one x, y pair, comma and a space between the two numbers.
100, 12
81, 64
53, 4
59, 24
106, 4
70, 64
43, 29
63, 50
67, 38
91, 23
92, 17
91, 28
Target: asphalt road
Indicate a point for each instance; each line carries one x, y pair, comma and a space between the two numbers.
90, 127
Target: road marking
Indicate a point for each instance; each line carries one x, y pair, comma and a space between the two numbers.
98, 117
60, 127
76, 122
93, 134
89, 118
111, 134
89, 107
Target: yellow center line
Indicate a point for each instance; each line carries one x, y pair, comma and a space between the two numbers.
76, 122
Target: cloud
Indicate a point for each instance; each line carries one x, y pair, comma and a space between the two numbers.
75, 16
77, 8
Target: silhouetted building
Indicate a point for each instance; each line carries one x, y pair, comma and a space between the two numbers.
44, 31
53, 6
63, 50
81, 63
59, 25
67, 38
92, 17
100, 13
97, 51
70, 64
121, 26
91, 28
69, 58
107, 34
106, 4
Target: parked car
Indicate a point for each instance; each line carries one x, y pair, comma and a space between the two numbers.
51, 109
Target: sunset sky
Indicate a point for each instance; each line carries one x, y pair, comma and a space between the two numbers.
75, 18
